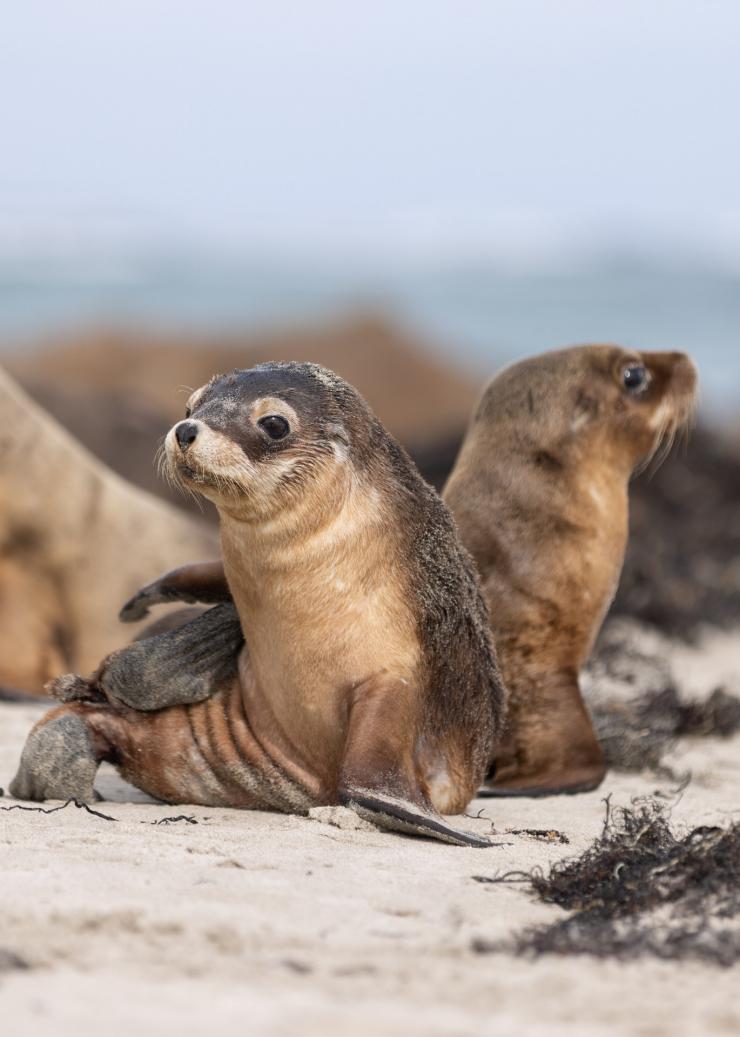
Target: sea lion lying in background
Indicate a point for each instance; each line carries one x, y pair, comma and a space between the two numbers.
367, 674
540, 496
75, 540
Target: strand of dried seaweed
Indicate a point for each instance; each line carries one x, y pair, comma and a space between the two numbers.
189, 819
54, 810
547, 835
636, 735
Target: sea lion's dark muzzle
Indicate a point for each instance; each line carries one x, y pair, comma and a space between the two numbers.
186, 433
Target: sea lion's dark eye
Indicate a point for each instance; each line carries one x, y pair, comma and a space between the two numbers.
188, 411
635, 377
275, 426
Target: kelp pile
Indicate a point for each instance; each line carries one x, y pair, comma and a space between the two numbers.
639, 890
637, 705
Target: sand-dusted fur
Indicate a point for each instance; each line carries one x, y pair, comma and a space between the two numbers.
539, 494
75, 540
367, 676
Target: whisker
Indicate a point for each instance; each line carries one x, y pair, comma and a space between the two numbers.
665, 442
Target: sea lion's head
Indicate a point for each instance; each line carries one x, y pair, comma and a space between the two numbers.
622, 403
254, 441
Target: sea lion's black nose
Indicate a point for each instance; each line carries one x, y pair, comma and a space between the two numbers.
185, 434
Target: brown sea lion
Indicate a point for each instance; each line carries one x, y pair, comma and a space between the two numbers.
539, 494
75, 540
367, 675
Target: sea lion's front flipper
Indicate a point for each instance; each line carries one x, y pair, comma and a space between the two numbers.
378, 779
176, 668
400, 815
550, 747
202, 582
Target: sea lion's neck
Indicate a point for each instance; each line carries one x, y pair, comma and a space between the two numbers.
523, 506
282, 566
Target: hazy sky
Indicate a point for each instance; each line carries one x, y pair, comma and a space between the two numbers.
378, 121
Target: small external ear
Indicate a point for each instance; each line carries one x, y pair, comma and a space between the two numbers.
339, 439
336, 431
585, 410
192, 401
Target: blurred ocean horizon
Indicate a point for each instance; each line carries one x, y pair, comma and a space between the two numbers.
501, 182
477, 312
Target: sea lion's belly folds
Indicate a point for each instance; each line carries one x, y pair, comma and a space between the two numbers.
211, 753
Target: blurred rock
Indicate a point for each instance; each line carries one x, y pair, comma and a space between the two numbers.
119, 393
415, 395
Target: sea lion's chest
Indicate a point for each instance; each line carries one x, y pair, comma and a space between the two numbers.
317, 630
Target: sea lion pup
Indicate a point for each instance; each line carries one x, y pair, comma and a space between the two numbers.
75, 539
367, 676
539, 494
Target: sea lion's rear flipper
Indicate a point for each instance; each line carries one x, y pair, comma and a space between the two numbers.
550, 747
59, 760
378, 779
176, 668
202, 582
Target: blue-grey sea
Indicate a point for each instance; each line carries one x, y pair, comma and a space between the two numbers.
476, 314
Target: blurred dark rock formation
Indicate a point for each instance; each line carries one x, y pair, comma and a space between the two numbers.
682, 568
119, 394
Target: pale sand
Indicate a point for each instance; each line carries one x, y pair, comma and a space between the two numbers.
255, 923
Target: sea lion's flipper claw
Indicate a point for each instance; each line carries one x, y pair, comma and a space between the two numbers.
176, 668
202, 582
405, 816
137, 606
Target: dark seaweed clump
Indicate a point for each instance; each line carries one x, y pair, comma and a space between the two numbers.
682, 567
636, 735
637, 711
640, 890
10, 961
